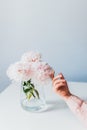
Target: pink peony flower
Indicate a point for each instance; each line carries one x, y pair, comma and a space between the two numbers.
44, 73
20, 71
31, 67
12, 71
31, 57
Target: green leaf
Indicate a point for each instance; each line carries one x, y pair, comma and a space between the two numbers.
32, 85
36, 93
24, 83
29, 81
31, 91
27, 89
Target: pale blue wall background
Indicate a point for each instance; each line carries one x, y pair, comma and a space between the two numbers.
56, 28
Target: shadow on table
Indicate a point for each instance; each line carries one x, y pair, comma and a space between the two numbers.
56, 105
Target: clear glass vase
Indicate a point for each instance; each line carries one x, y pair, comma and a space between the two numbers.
32, 97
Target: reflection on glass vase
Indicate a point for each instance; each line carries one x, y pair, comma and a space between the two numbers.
32, 97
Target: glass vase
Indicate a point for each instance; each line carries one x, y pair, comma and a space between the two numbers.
32, 97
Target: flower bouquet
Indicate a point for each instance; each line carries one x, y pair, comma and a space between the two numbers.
33, 74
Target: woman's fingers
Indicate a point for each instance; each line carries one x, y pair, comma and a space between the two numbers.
59, 81
61, 84
60, 76
59, 88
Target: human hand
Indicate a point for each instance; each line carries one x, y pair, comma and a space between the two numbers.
60, 86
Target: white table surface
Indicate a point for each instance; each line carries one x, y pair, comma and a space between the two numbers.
57, 116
